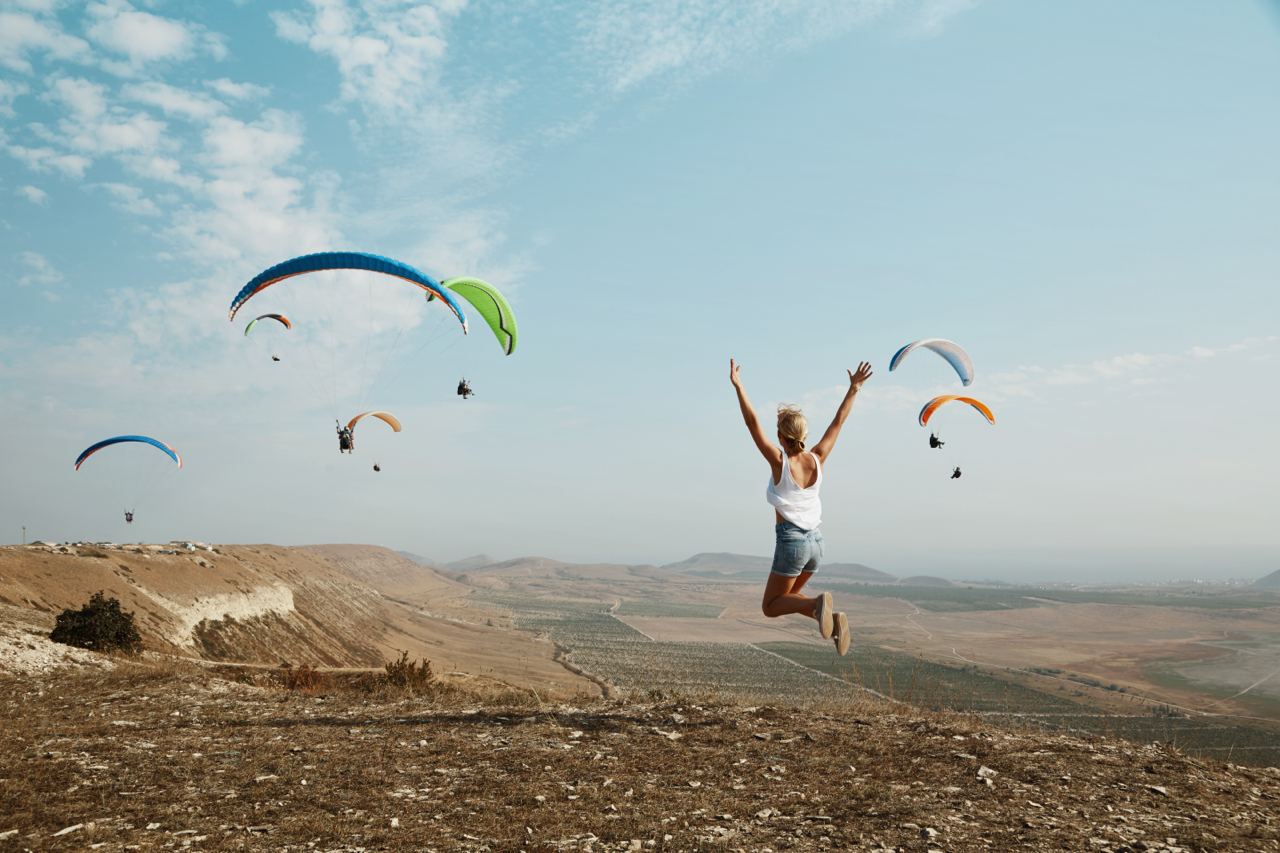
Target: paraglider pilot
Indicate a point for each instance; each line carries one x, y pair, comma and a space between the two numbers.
128, 517
346, 441
377, 467
934, 441
955, 475
464, 388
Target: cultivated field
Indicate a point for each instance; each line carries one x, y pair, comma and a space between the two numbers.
1192, 669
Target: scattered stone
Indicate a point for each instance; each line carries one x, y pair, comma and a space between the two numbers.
1158, 789
68, 830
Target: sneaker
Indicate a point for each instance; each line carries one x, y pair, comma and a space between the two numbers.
823, 615
843, 639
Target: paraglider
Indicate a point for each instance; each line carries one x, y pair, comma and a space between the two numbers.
346, 441
935, 442
386, 417
377, 467
934, 404
346, 261
280, 318
955, 475
949, 350
489, 304
464, 389
129, 439
122, 439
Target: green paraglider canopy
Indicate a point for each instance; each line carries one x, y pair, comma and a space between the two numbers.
491, 305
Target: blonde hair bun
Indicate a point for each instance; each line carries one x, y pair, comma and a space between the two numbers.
792, 426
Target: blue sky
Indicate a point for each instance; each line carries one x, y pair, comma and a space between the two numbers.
1085, 196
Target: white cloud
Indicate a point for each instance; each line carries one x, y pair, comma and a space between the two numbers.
44, 159
35, 195
250, 205
636, 42
142, 37
39, 273
237, 91
1128, 369
168, 170
131, 199
10, 90
173, 100
94, 127
387, 52
22, 35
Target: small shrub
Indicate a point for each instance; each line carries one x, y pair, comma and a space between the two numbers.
303, 678
409, 674
101, 625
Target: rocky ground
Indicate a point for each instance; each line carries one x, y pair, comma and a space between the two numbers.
145, 757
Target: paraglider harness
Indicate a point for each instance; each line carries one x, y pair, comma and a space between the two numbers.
128, 516
934, 441
464, 389
955, 475
346, 441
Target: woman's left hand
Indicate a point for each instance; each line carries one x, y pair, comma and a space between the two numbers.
863, 373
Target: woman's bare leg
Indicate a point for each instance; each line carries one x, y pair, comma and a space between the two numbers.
780, 597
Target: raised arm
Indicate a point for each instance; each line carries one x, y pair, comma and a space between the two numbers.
767, 449
824, 447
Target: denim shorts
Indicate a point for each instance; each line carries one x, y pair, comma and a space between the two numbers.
796, 550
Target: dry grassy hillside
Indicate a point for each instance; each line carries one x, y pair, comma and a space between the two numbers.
139, 759
334, 606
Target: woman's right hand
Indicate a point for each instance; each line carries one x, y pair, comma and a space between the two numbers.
734, 377
862, 375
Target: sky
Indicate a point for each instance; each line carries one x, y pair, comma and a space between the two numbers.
1085, 196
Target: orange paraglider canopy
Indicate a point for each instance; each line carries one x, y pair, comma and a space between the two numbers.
934, 404
389, 418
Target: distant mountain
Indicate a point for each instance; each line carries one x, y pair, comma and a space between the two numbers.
476, 561
733, 565
857, 572
1271, 581
720, 563
925, 580
419, 559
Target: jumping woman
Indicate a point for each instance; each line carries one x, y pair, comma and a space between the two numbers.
794, 482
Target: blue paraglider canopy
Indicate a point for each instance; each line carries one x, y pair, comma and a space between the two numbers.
120, 439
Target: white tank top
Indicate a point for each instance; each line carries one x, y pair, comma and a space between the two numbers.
801, 507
